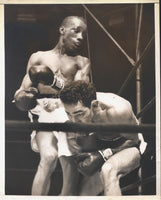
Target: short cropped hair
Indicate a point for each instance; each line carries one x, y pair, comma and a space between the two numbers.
78, 91
66, 21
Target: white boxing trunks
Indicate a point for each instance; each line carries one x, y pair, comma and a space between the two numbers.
50, 110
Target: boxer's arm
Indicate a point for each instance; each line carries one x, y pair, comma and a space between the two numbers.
46, 89
25, 96
33, 60
125, 115
25, 85
83, 70
89, 163
127, 144
26, 82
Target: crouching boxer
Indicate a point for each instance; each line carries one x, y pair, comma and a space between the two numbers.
47, 73
113, 154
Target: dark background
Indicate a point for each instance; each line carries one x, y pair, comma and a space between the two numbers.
29, 28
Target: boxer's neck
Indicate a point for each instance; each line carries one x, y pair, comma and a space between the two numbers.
62, 50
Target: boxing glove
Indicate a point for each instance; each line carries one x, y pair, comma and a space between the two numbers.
40, 74
26, 99
89, 163
87, 143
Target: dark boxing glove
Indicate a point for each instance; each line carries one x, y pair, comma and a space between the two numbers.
40, 74
87, 142
26, 99
89, 163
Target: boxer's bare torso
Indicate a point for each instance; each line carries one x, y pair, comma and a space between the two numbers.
63, 59
113, 109
63, 66
107, 109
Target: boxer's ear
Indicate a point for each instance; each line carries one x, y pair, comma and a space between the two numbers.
97, 105
94, 105
102, 105
62, 30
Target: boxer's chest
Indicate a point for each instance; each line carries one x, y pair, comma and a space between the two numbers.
63, 66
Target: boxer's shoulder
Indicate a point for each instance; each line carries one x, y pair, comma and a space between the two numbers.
113, 99
41, 54
82, 61
105, 95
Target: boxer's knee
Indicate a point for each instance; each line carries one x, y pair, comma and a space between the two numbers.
109, 173
49, 158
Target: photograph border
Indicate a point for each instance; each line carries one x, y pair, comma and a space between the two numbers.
2, 107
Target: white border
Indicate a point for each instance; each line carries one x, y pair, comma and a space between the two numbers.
74, 2
2, 84
157, 76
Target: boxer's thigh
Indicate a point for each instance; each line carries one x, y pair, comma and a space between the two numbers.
71, 176
46, 142
124, 161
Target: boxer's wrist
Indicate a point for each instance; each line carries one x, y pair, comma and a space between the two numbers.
57, 84
33, 90
104, 158
106, 154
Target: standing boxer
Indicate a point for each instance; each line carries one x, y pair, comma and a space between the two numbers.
115, 154
47, 72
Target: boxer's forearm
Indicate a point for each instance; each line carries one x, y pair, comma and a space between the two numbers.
47, 89
127, 144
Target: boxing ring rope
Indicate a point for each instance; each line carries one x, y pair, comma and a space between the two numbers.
109, 35
13, 125
78, 127
140, 182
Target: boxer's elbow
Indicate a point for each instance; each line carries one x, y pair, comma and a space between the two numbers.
133, 142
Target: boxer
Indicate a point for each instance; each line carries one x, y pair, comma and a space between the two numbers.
47, 73
113, 154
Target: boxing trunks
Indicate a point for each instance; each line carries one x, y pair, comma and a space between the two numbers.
54, 114
86, 148
81, 142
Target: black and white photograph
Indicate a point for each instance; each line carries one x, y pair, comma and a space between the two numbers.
81, 99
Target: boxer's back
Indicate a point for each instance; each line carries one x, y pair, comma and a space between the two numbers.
118, 109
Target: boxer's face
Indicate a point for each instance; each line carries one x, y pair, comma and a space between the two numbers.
73, 34
78, 113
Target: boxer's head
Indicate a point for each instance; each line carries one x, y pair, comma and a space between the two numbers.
72, 31
77, 97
